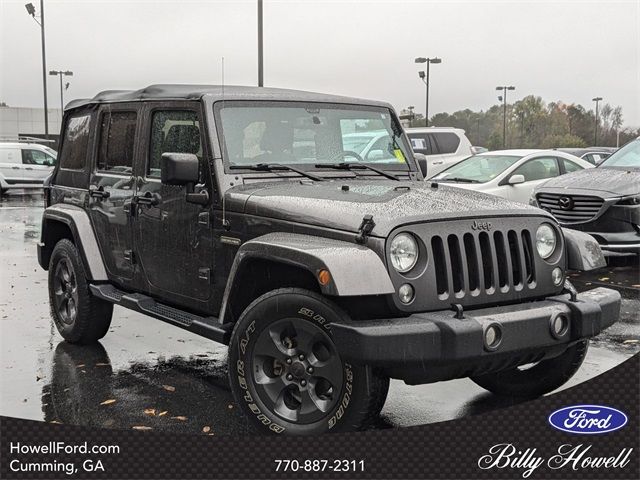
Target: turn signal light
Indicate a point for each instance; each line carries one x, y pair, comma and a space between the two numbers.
324, 277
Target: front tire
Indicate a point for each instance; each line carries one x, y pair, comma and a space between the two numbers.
79, 316
541, 378
287, 375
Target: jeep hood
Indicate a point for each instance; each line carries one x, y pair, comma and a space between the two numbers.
342, 204
603, 182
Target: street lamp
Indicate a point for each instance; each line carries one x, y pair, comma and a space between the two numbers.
31, 10
61, 73
260, 59
504, 112
595, 129
425, 78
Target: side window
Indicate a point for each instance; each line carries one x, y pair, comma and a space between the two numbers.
117, 141
421, 143
569, 166
175, 131
447, 142
538, 169
75, 142
36, 157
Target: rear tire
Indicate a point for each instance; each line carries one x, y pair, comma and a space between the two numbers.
286, 374
79, 316
541, 378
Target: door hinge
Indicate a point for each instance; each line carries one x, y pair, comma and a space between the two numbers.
129, 256
365, 228
204, 274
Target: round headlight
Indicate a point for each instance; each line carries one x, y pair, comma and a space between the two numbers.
545, 240
404, 252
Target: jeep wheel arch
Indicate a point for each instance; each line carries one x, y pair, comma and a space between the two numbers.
303, 257
71, 222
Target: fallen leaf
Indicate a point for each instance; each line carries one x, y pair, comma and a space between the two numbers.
636, 286
631, 341
141, 427
180, 417
603, 279
206, 429
150, 411
163, 413
55, 421
230, 406
81, 365
169, 388
109, 402
102, 364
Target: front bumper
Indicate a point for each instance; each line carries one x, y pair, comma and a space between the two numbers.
434, 346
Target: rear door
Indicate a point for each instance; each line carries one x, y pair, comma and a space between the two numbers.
112, 187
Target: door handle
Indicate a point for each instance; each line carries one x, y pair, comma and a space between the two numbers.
148, 198
28, 168
98, 192
15, 168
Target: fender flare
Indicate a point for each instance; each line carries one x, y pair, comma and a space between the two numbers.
583, 251
355, 270
84, 237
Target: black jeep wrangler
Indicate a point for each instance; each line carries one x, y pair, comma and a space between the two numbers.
297, 228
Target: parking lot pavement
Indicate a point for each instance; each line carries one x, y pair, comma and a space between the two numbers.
145, 373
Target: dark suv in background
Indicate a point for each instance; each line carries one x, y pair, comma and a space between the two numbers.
239, 214
602, 201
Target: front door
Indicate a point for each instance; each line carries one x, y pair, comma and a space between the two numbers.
535, 171
112, 188
173, 237
37, 164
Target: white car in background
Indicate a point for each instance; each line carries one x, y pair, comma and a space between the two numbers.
441, 146
24, 165
511, 174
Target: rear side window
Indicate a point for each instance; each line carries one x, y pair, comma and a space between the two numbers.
117, 140
447, 142
421, 143
174, 131
75, 142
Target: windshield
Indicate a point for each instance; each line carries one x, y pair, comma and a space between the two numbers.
627, 156
309, 134
478, 168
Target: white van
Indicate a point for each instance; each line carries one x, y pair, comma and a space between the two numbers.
442, 146
24, 165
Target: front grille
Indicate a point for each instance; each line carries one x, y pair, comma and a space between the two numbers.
469, 264
574, 209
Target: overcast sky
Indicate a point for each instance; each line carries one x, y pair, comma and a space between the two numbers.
560, 50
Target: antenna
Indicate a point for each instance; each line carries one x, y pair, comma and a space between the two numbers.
225, 222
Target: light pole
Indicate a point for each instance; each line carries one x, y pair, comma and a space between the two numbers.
425, 78
260, 59
504, 112
31, 10
595, 129
61, 73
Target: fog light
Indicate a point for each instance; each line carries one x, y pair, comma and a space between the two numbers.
405, 292
556, 276
559, 325
492, 337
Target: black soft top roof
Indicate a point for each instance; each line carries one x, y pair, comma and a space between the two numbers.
231, 92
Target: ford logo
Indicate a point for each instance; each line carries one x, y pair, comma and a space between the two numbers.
588, 419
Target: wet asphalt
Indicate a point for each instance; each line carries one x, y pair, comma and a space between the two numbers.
146, 374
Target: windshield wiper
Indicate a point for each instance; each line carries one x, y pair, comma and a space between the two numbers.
356, 166
270, 167
456, 179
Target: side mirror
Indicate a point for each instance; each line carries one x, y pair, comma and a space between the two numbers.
179, 168
375, 155
421, 159
516, 179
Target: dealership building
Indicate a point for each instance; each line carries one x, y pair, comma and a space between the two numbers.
18, 122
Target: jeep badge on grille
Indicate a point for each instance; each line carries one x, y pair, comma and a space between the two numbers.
476, 225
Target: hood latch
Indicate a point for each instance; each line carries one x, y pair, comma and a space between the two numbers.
365, 228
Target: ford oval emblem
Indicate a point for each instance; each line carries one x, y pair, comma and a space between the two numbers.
588, 419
